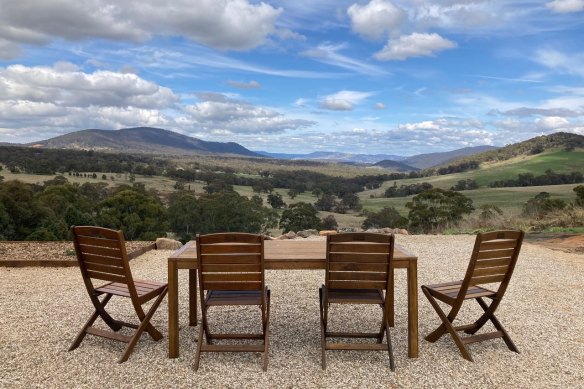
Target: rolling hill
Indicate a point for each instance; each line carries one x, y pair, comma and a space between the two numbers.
424, 161
395, 166
142, 140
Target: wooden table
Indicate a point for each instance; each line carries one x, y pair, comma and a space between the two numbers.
282, 255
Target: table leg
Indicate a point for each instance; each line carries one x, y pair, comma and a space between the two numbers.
192, 297
413, 309
173, 344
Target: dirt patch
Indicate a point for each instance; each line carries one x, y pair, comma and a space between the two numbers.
570, 243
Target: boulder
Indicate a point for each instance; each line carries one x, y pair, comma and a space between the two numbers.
167, 244
375, 231
404, 232
327, 232
307, 233
291, 235
349, 229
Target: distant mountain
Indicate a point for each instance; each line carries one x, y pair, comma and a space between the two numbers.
395, 166
331, 156
424, 161
143, 140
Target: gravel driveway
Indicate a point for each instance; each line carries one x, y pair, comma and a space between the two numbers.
41, 310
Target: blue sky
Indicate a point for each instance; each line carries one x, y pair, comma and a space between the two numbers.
378, 76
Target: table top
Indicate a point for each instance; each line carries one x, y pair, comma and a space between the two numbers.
289, 254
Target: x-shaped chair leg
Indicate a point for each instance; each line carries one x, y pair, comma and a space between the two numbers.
98, 312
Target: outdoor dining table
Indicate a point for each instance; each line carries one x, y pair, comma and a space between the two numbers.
284, 255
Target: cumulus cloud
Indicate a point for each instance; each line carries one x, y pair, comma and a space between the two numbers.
245, 85
414, 45
375, 19
223, 24
236, 116
551, 123
343, 100
379, 106
566, 6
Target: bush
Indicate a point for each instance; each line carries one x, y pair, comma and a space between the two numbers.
436, 209
329, 223
298, 217
387, 217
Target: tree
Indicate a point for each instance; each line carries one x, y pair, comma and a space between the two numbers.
275, 200
139, 214
579, 195
489, 211
298, 217
387, 217
183, 214
541, 204
436, 208
351, 201
326, 202
329, 223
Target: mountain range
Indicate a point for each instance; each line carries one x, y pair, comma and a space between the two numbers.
160, 141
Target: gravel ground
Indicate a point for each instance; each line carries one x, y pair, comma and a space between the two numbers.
42, 310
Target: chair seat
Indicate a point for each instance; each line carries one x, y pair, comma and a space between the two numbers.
234, 297
448, 291
355, 296
146, 289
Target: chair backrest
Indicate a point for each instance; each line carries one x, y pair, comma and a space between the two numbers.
230, 261
101, 253
359, 260
493, 259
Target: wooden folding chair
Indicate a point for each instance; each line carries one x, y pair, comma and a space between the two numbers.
231, 272
493, 260
358, 270
101, 253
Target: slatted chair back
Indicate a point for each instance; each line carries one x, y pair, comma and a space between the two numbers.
101, 253
359, 261
493, 260
231, 261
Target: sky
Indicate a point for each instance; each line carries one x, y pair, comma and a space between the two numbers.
296, 76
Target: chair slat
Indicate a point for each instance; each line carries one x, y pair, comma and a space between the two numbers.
230, 238
231, 285
110, 261
359, 247
231, 248
487, 279
490, 271
105, 269
215, 277
230, 268
357, 275
498, 244
360, 237
359, 257
103, 251
230, 258
94, 241
492, 262
349, 266
492, 254
351, 284
106, 276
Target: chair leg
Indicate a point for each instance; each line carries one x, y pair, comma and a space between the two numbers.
96, 313
389, 346
144, 324
199, 346
447, 324
322, 330
267, 332
498, 325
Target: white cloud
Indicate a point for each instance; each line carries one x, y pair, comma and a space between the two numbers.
223, 24
245, 85
379, 106
551, 123
329, 54
236, 116
572, 63
414, 45
343, 100
566, 6
375, 19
